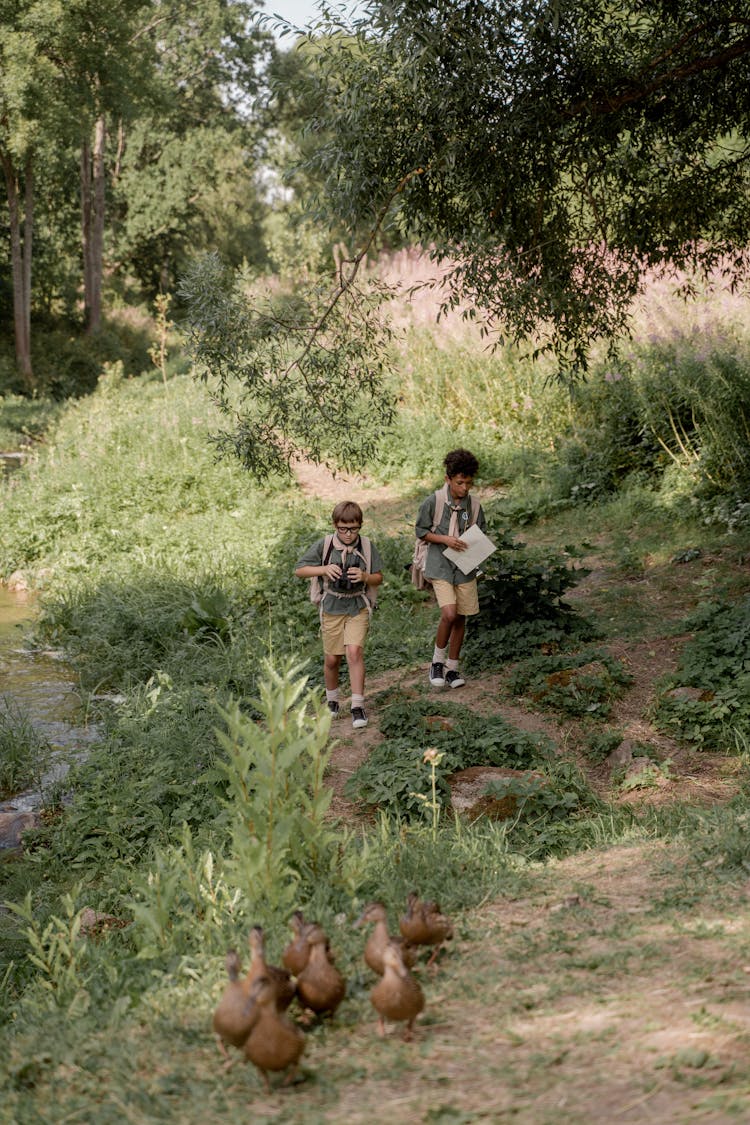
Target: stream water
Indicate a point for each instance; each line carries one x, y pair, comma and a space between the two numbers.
37, 684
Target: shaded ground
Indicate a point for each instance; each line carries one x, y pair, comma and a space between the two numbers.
649, 602
595, 999
619, 989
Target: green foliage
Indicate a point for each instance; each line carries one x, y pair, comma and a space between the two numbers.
275, 841
276, 798
706, 700
395, 776
58, 954
599, 744
24, 752
182, 896
521, 600
536, 798
521, 142
299, 373
583, 683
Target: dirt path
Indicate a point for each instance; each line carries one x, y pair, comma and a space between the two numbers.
689, 775
594, 999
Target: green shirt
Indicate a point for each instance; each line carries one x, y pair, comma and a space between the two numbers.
351, 605
436, 564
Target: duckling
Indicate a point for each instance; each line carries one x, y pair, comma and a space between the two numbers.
320, 986
297, 952
379, 938
259, 967
232, 1019
397, 995
274, 1042
423, 924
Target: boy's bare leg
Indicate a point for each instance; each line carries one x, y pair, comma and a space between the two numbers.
448, 619
355, 658
331, 665
457, 636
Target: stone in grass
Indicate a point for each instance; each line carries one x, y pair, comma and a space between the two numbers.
468, 796
13, 824
622, 755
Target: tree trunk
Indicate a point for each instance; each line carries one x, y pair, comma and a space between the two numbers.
86, 209
92, 225
20, 252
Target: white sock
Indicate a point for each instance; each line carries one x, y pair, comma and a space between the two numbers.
451, 665
358, 701
439, 655
332, 695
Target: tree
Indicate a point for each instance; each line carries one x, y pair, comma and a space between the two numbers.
186, 168
27, 118
549, 150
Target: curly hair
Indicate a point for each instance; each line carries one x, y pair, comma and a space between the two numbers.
460, 461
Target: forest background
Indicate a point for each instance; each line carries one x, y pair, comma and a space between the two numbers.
171, 203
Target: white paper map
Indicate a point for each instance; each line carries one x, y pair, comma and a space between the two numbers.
479, 549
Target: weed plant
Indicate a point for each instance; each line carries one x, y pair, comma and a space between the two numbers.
396, 778
583, 684
24, 752
706, 700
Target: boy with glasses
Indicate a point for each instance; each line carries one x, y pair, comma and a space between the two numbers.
350, 569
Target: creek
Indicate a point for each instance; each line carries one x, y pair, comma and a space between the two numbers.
37, 685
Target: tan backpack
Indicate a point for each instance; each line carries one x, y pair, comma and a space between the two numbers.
421, 546
319, 585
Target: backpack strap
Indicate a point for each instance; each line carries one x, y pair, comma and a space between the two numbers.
440, 506
327, 548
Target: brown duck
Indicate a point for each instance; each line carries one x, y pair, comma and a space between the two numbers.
232, 1019
423, 924
379, 938
320, 986
259, 967
397, 995
297, 952
274, 1042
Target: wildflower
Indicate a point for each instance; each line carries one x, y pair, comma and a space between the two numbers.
432, 756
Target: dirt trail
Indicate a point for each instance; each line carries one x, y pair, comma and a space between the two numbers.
690, 775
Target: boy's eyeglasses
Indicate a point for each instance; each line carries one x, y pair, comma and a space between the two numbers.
347, 530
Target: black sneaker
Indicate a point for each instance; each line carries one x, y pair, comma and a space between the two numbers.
333, 707
359, 718
454, 679
437, 674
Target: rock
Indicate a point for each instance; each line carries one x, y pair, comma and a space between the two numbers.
621, 755
439, 722
469, 799
13, 824
94, 922
684, 694
18, 581
638, 766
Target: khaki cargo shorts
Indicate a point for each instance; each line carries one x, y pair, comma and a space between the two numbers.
342, 629
464, 597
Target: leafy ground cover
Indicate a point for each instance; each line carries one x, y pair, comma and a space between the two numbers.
166, 576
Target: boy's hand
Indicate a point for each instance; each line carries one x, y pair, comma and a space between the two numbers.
332, 571
356, 574
454, 543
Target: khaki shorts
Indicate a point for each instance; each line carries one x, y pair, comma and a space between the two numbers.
342, 629
463, 596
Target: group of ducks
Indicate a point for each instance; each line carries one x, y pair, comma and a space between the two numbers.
251, 1014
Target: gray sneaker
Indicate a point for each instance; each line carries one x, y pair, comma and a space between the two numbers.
437, 674
359, 718
454, 679
333, 707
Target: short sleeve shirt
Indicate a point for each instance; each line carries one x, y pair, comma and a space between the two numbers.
436, 564
351, 605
